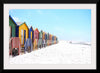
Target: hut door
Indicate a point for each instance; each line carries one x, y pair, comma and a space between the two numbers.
24, 36
21, 36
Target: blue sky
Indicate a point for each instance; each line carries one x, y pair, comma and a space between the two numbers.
66, 24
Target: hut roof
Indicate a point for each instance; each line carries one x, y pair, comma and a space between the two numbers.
21, 23
36, 29
30, 27
12, 20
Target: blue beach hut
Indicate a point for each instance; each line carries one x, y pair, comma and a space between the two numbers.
31, 34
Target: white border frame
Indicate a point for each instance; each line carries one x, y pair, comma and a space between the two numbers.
50, 6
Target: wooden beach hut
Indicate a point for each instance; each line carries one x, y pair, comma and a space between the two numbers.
23, 33
14, 42
45, 39
54, 39
12, 27
31, 33
43, 36
40, 39
36, 38
51, 39
48, 39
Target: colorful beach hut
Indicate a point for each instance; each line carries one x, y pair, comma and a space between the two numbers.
43, 36
31, 34
14, 42
45, 39
12, 27
40, 39
23, 32
48, 39
53, 39
36, 38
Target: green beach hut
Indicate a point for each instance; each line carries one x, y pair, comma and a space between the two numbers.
12, 27
40, 39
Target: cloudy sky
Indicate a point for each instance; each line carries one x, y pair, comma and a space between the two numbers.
66, 24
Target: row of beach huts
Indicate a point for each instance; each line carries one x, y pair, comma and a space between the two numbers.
24, 39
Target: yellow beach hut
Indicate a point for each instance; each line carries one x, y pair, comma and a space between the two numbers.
43, 36
23, 32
